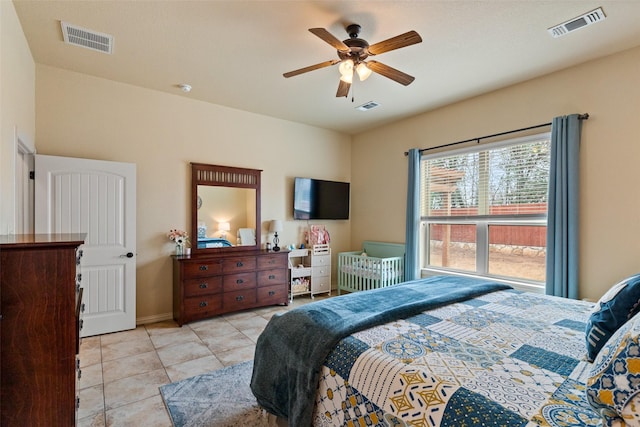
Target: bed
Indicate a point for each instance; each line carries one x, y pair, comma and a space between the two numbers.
442, 351
377, 265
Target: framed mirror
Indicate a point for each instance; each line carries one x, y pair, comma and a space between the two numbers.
225, 208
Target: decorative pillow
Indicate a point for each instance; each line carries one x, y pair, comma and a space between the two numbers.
631, 411
618, 305
613, 386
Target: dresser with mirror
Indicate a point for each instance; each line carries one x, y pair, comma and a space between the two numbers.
226, 270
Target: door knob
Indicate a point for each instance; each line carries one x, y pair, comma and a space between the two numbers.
127, 255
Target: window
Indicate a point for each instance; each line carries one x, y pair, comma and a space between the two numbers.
484, 210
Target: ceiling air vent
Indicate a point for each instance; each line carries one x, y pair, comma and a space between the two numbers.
367, 106
588, 18
89, 39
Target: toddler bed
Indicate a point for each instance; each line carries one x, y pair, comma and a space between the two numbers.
377, 265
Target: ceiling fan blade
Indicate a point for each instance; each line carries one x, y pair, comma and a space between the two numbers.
311, 68
403, 40
329, 38
343, 89
391, 73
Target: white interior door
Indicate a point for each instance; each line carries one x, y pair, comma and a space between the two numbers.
97, 198
24, 191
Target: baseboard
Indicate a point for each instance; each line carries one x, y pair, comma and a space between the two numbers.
154, 319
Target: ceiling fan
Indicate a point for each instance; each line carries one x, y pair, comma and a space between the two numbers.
354, 51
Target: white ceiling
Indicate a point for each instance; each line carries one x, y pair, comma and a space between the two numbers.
234, 53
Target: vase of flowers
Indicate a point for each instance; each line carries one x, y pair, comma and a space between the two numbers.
180, 238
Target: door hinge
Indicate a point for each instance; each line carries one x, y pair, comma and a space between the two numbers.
32, 174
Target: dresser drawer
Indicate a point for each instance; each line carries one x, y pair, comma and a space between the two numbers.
231, 265
320, 284
203, 286
277, 294
320, 271
202, 268
201, 306
239, 300
80, 307
272, 277
318, 260
236, 282
272, 261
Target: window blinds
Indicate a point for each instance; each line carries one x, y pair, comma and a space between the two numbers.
497, 180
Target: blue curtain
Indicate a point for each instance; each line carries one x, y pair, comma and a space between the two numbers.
562, 222
411, 262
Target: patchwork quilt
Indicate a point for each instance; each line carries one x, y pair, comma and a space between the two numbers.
506, 358
293, 346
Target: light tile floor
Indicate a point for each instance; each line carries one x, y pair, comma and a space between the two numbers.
122, 372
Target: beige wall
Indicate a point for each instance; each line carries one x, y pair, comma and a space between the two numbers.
17, 106
82, 116
608, 89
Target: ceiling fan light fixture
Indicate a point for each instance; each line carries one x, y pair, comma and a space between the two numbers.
363, 71
346, 68
347, 78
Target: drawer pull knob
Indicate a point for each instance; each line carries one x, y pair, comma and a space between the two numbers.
203, 304
239, 298
79, 373
81, 323
203, 267
239, 281
272, 293
272, 276
203, 286
239, 264
79, 278
82, 308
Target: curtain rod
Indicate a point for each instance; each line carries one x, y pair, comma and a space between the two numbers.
580, 117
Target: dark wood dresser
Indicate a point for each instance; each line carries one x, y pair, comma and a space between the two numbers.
40, 298
212, 284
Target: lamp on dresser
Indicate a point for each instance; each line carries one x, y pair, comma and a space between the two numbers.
224, 227
276, 226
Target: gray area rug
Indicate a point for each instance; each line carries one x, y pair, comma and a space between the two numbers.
220, 398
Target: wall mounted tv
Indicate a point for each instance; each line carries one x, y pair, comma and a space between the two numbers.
319, 199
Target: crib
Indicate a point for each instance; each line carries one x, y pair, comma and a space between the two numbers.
382, 266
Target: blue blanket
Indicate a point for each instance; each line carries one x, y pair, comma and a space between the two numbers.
290, 351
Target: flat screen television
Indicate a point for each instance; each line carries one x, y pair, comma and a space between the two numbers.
319, 199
